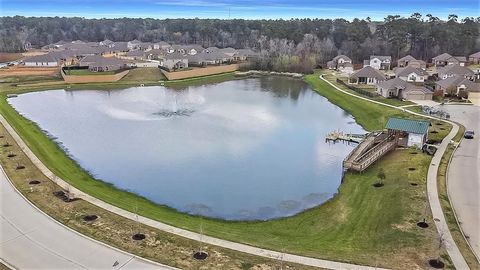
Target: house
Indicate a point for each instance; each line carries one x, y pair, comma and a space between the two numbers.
411, 74
44, 60
399, 88
378, 62
366, 75
457, 85
175, 61
134, 44
409, 132
452, 70
228, 51
155, 54
417, 64
162, 45
244, 54
99, 63
213, 58
134, 55
107, 43
445, 59
341, 63
474, 58
211, 49
441, 60
403, 62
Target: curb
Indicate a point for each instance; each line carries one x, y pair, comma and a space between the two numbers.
133, 256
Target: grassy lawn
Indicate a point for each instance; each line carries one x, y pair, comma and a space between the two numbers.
361, 224
447, 208
81, 72
142, 75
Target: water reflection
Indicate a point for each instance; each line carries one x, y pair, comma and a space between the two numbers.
242, 149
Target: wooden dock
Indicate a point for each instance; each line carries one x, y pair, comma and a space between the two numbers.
335, 136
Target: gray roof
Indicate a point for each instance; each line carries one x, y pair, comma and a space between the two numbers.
336, 58
460, 58
175, 56
96, 60
442, 57
475, 55
381, 57
457, 80
368, 72
401, 72
49, 57
398, 83
406, 58
246, 52
136, 53
227, 50
455, 70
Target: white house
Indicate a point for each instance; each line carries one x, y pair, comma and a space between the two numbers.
378, 62
341, 63
411, 74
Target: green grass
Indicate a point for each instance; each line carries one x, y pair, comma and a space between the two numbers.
81, 72
142, 75
361, 224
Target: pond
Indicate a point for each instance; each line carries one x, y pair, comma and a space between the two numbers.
238, 150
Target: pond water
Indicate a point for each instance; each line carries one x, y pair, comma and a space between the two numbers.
238, 150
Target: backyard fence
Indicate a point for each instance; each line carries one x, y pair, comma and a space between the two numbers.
358, 90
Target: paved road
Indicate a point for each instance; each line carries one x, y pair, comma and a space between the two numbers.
464, 174
31, 240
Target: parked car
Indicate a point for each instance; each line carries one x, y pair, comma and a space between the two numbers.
469, 134
429, 149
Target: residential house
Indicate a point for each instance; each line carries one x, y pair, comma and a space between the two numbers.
203, 58
474, 58
445, 59
155, 54
399, 88
378, 62
175, 61
417, 64
228, 51
134, 44
162, 45
44, 60
411, 74
107, 43
457, 85
451, 70
134, 55
367, 75
100, 64
409, 132
341, 63
403, 62
211, 49
244, 54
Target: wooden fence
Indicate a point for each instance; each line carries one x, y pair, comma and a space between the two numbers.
199, 72
93, 78
358, 90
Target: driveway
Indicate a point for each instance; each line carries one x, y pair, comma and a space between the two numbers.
464, 174
31, 240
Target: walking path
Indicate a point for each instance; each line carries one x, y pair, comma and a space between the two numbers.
432, 189
170, 229
29, 239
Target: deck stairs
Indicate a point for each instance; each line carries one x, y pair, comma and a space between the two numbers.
370, 150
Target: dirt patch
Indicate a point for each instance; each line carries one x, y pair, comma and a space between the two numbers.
90, 217
200, 255
138, 236
378, 185
437, 264
62, 195
34, 182
422, 224
412, 169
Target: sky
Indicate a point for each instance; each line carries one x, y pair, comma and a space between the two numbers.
244, 9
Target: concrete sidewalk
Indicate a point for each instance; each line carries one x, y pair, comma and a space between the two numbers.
29, 239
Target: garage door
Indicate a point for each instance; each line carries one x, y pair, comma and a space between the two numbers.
415, 96
474, 98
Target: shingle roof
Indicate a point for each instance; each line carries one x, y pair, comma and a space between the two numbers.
49, 57
460, 58
442, 57
408, 125
475, 55
401, 72
458, 80
381, 57
368, 72
455, 69
406, 58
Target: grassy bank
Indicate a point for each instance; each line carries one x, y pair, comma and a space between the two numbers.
361, 224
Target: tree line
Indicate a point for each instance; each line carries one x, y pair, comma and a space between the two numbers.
283, 44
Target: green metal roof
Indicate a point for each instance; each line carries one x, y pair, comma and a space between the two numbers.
408, 125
